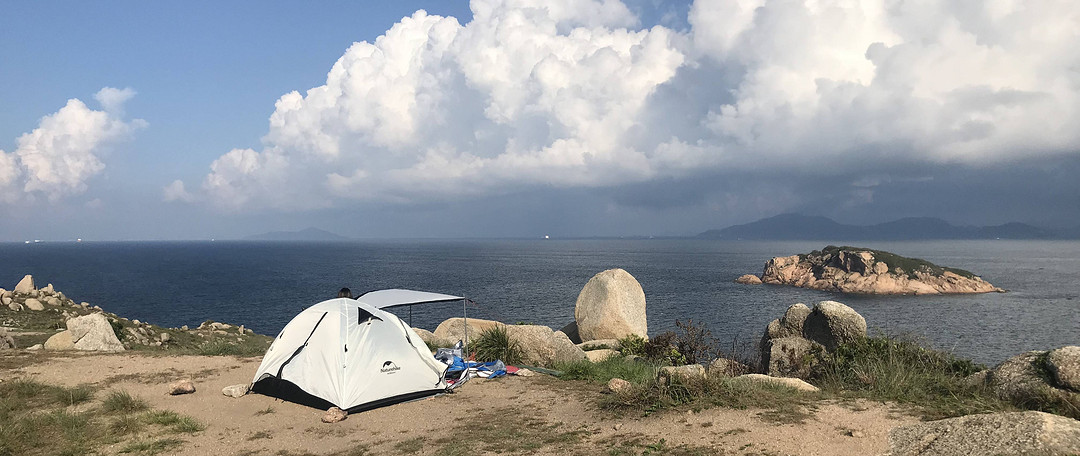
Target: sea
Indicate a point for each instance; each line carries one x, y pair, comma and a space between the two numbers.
264, 284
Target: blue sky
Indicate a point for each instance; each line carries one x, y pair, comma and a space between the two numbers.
522, 118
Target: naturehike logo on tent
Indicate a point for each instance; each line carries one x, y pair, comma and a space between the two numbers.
389, 367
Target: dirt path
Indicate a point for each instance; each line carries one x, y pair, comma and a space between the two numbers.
536, 415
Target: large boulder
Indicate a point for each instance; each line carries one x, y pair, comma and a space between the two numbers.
831, 323
1064, 365
1031, 375
6, 341
453, 329
34, 304
540, 345
26, 285
611, 306
992, 433
571, 331
723, 368
748, 279
425, 335
60, 341
788, 356
1017, 377
89, 332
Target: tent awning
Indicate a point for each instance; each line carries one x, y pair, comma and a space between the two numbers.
382, 299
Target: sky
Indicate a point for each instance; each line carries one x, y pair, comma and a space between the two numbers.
135, 120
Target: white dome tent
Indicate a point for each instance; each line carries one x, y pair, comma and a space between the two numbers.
352, 354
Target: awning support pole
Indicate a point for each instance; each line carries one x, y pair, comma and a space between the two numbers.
465, 314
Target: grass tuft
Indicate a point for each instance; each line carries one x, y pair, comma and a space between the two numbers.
495, 343
120, 401
180, 424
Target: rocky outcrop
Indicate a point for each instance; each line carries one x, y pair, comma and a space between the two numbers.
26, 286
723, 367
6, 341
1064, 365
89, 332
425, 335
748, 279
34, 304
788, 357
540, 345
60, 341
992, 433
791, 344
1034, 374
611, 306
861, 270
453, 329
832, 323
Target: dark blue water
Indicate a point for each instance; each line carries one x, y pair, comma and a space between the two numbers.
262, 285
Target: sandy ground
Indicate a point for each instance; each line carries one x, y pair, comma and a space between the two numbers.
516, 410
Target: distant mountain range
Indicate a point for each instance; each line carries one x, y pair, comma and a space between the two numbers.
308, 234
808, 228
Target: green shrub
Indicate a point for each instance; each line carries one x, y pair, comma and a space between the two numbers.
661, 349
495, 344
118, 329
632, 344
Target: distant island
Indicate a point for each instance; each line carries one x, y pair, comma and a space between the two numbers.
809, 228
308, 234
862, 270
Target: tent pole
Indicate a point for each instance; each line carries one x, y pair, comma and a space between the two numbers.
465, 313
410, 315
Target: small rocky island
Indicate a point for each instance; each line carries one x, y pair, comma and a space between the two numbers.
861, 270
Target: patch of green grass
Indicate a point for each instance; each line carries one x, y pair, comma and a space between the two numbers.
603, 371
632, 344
152, 447
495, 343
124, 425
119, 401
781, 404
901, 370
411, 446
180, 424
246, 347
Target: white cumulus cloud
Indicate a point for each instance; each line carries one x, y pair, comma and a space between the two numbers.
575, 93
57, 158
